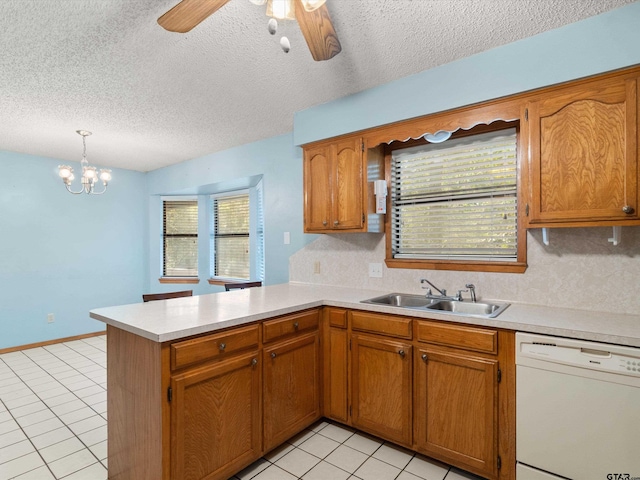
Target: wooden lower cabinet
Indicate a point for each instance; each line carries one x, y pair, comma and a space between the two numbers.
381, 387
456, 409
216, 418
336, 382
206, 407
291, 387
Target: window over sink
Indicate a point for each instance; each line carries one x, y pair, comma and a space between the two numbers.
454, 204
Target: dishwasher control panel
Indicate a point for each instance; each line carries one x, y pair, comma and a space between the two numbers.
578, 353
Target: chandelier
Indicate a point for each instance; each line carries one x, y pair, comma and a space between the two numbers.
89, 174
285, 10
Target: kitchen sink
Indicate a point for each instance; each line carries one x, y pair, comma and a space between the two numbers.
401, 300
489, 310
456, 307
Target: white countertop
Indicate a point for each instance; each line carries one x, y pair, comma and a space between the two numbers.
167, 320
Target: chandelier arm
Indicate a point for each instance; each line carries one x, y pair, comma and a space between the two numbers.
71, 191
93, 192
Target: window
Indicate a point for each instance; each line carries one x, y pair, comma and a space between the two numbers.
455, 203
237, 235
180, 238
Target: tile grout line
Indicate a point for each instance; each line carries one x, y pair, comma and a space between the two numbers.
29, 439
51, 410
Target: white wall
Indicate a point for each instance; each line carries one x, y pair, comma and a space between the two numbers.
579, 269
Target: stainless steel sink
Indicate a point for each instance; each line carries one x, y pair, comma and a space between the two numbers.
404, 300
490, 310
456, 307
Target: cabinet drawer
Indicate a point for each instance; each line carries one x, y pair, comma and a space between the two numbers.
383, 324
213, 346
298, 322
337, 317
467, 338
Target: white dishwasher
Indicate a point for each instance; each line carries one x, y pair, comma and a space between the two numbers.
577, 409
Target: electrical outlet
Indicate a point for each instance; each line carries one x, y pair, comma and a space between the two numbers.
375, 270
51, 318
316, 267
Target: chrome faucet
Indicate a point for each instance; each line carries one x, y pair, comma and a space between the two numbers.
443, 292
472, 290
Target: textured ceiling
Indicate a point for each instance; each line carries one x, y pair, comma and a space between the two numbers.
154, 98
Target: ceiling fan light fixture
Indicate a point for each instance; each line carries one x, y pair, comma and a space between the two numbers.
311, 5
281, 9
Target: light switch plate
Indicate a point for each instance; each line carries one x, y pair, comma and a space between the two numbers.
375, 270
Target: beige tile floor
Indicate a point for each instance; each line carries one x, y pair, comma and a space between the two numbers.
53, 425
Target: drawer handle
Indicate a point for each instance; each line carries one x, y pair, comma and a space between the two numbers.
296, 325
424, 357
336, 223
401, 353
273, 354
254, 362
222, 346
324, 222
628, 209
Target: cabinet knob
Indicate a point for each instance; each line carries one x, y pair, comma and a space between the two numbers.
424, 357
222, 346
324, 222
295, 325
628, 209
336, 222
273, 354
254, 362
401, 353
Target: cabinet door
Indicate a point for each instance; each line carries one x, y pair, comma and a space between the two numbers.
317, 188
584, 153
335, 375
348, 193
381, 387
217, 406
456, 409
291, 388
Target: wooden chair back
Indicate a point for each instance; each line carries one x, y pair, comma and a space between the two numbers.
241, 285
149, 297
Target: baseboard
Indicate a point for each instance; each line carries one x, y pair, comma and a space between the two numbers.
51, 342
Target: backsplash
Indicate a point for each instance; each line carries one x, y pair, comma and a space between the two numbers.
579, 269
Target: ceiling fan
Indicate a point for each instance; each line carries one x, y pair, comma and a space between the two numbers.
312, 17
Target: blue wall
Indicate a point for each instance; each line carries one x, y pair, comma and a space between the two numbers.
598, 44
65, 254
280, 165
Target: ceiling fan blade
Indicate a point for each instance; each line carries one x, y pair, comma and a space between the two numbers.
318, 31
189, 13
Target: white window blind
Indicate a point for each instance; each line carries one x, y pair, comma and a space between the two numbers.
180, 238
231, 237
456, 200
259, 240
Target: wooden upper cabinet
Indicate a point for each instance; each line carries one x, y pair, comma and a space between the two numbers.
334, 186
583, 143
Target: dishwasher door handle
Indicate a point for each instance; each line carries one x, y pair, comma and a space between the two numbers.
595, 353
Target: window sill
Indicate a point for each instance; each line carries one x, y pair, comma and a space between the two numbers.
179, 280
222, 281
477, 266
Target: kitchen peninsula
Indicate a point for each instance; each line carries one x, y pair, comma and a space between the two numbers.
223, 369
